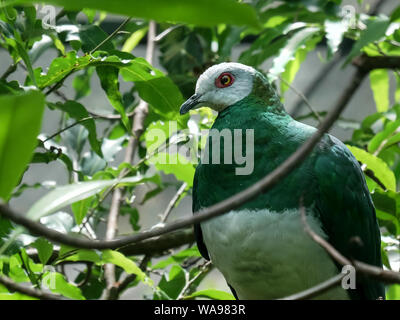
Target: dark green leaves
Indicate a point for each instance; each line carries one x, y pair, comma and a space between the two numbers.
19, 113
109, 82
44, 248
156, 89
375, 30
91, 36
194, 12
377, 165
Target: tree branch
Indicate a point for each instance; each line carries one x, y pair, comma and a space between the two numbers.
173, 202
13, 286
364, 268
152, 247
368, 63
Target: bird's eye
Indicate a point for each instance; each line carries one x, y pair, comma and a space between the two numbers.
224, 80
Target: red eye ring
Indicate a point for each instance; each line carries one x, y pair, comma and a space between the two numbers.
224, 80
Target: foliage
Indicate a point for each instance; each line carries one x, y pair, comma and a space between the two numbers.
193, 38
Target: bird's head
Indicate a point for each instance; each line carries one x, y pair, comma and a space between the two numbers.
221, 86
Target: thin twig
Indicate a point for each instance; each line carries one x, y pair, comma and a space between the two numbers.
204, 268
173, 202
112, 35
9, 70
302, 96
67, 128
364, 268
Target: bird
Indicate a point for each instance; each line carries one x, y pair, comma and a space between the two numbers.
261, 247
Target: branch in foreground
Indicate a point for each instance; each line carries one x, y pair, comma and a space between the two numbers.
316, 290
364, 268
226, 205
154, 246
13, 286
368, 63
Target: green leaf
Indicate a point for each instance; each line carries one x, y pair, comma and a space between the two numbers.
193, 12
176, 164
91, 36
395, 14
175, 282
117, 258
68, 194
134, 39
377, 165
379, 79
58, 284
288, 52
375, 30
178, 258
393, 293
211, 294
63, 66
380, 137
81, 83
109, 82
78, 112
44, 248
80, 209
155, 88
266, 45
157, 133
25, 57
20, 118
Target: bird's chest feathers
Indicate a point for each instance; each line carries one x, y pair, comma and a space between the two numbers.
267, 255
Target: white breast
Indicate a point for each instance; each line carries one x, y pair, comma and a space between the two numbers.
267, 255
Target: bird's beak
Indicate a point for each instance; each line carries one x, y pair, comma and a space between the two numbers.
190, 103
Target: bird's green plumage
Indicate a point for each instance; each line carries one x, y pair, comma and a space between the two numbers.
329, 180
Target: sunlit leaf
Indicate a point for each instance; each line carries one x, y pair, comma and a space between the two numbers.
134, 39
377, 165
379, 80
211, 294
19, 113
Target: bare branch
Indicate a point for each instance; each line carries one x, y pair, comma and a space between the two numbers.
173, 202
377, 62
